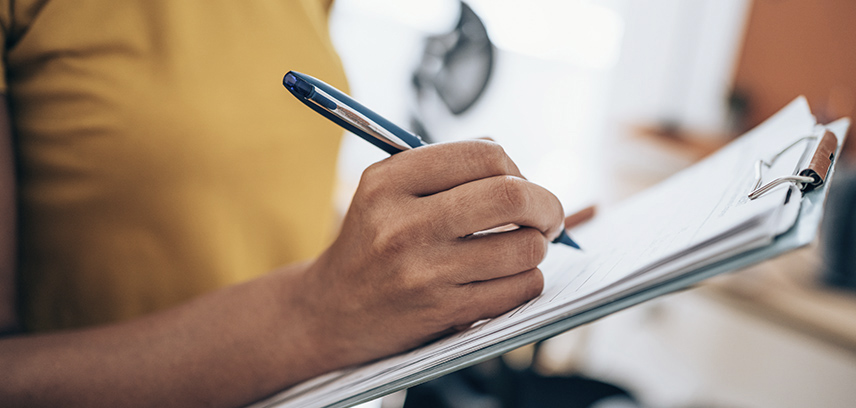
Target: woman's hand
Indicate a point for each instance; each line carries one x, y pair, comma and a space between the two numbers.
404, 270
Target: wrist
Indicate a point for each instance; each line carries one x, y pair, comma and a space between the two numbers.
303, 321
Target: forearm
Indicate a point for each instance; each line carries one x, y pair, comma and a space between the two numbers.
224, 349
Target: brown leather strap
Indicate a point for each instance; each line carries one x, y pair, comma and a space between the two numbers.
820, 162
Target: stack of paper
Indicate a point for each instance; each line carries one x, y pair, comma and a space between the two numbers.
698, 218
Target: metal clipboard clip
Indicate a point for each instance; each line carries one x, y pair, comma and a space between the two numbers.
808, 178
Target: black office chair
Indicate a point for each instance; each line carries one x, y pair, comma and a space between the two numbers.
495, 385
839, 231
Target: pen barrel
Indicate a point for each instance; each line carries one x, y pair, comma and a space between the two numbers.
298, 83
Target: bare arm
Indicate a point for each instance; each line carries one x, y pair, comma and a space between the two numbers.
224, 349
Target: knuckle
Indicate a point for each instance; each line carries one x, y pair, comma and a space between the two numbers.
532, 247
491, 150
486, 155
416, 286
511, 196
387, 241
384, 246
492, 155
372, 171
372, 182
534, 283
417, 289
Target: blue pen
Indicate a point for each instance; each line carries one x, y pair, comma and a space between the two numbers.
361, 121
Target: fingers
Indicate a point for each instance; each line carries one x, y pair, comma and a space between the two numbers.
439, 167
405, 226
496, 201
492, 256
483, 300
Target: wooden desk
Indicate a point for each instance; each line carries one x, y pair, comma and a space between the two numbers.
788, 292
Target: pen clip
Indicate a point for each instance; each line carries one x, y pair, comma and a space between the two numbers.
357, 119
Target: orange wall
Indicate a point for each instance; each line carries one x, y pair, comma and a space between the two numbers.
800, 47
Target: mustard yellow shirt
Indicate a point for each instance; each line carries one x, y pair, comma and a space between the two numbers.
159, 155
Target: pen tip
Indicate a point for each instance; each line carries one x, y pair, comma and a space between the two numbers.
563, 238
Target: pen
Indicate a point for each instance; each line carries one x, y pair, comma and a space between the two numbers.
363, 122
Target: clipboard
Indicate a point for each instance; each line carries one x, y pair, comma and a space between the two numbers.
801, 234
809, 184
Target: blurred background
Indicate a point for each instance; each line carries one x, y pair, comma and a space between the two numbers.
596, 100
